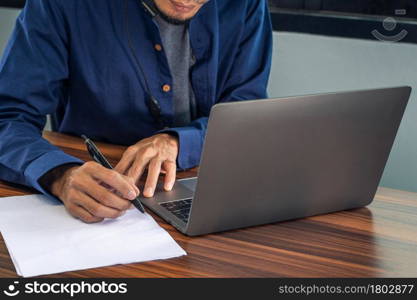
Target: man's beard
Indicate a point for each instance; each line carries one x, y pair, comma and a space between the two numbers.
169, 19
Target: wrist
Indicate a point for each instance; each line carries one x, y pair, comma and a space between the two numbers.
172, 137
54, 180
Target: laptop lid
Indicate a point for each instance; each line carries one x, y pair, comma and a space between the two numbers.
278, 159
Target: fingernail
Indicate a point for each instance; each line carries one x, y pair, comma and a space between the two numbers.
170, 186
149, 192
131, 195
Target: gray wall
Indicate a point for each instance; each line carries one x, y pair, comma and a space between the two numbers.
7, 20
306, 64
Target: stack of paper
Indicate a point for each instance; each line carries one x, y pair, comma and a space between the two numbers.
42, 238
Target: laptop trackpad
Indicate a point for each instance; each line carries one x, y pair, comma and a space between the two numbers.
183, 189
190, 183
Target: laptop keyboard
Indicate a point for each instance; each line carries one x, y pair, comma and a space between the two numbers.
181, 208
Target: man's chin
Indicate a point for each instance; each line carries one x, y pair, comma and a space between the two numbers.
172, 19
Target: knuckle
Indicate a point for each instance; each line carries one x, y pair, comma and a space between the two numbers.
131, 150
160, 158
102, 196
113, 176
158, 142
103, 199
89, 165
87, 219
149, 151
109, 200
91, 219
96, 210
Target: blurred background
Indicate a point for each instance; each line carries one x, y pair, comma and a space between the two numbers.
335, 45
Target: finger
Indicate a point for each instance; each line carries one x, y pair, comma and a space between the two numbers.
104, 195
109, 188
171, 172
114, 180
154, 169
137, 169
83, 215
126, 161
132, 182
95, 208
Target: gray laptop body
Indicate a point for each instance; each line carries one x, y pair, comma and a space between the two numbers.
272, 160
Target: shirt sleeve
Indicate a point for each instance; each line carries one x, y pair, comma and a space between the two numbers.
248, 80
33, 70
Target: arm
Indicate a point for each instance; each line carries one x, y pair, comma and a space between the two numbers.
33, 73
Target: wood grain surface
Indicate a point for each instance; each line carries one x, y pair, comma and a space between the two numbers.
377, 241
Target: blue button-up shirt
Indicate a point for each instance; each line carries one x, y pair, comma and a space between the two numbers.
71, 58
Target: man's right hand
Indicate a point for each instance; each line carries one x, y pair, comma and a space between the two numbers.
91, 192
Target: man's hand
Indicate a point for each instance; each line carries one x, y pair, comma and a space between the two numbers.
158, 153
91, 192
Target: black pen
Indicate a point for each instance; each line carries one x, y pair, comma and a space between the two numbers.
99, 158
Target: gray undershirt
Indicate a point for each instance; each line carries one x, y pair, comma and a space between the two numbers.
176, 44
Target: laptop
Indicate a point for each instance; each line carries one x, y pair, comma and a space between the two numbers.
273, 160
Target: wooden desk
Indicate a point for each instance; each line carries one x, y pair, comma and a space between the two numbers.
378, 241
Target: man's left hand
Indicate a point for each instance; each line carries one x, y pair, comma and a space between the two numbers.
159, 154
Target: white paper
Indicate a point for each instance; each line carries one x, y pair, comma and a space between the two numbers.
42, 238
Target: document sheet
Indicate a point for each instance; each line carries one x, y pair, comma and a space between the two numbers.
43, 238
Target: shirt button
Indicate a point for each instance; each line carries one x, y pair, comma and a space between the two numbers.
158, 47
166, 88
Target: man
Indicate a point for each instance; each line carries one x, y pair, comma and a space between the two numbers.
137, 73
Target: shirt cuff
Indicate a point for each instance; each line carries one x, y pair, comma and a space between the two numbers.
190, 146
39, 167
